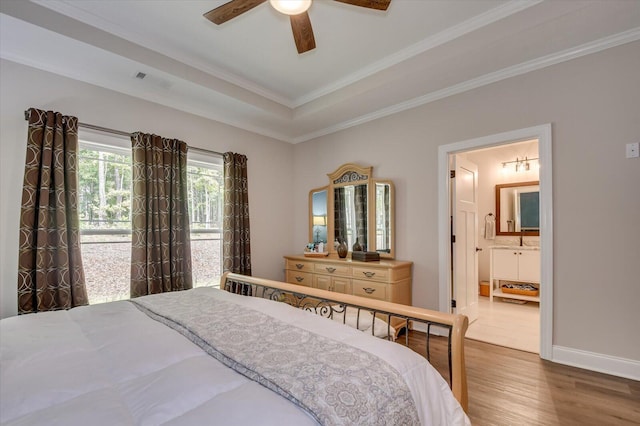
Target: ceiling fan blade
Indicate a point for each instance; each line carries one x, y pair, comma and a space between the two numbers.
230, 10
302, 32
371, 4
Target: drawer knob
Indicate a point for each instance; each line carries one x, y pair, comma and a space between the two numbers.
368, 290
330, 270
299, 265
369, 274
299, 279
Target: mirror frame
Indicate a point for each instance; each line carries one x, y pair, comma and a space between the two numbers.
354, 174
513, 185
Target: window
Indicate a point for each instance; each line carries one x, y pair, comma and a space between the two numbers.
104, 201
205, 183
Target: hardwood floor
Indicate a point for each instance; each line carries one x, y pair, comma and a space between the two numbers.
512, 387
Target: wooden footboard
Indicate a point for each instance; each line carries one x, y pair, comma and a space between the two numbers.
330, 304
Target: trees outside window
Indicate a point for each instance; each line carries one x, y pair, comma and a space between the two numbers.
205, 185
104, 204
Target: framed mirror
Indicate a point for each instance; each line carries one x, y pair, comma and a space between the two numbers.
357, 208
318, 215
518, 208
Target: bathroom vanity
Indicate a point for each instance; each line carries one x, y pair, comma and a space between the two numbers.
514, 264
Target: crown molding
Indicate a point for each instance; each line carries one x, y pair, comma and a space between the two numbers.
472, 24
158, 99
65, 8
429, 43
493, 77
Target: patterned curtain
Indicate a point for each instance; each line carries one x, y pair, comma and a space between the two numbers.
236, 235
340, 215
360, 195
50, 274
160, 244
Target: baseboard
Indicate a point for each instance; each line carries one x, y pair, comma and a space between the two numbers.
601, 363
607, 364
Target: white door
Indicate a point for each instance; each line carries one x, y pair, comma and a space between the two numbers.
465, 229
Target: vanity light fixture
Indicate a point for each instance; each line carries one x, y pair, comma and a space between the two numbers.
291, 7
520, 164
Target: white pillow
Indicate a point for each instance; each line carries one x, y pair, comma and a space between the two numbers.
364, 323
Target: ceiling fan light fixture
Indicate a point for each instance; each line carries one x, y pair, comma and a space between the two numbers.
291, 7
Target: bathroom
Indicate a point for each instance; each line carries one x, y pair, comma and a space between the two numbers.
513, 320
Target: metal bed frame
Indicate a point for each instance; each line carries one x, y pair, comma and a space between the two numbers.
331, 305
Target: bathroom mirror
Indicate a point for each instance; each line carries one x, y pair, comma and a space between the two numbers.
356, 207
518, 208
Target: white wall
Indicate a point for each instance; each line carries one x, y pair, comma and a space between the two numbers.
269, 160
593, 104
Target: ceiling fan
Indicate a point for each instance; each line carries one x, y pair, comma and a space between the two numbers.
297, 11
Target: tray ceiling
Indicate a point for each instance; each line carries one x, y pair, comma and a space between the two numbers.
247, 72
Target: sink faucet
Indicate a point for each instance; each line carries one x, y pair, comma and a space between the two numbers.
521, 235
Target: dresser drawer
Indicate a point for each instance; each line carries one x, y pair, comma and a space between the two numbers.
369, 289
364, 273
300, 278
327, 268
299, 265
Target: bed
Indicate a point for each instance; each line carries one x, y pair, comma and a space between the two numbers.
209, 356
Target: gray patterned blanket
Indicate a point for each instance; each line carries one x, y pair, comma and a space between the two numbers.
335, 383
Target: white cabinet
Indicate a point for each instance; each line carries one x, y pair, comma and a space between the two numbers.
519, 264
529, 266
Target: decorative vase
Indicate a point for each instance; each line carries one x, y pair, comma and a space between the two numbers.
342, 249
357, 246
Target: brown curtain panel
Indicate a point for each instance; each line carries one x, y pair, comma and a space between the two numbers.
236, 235
50, 274
160, 244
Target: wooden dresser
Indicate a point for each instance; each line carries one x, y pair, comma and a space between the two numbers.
388, 280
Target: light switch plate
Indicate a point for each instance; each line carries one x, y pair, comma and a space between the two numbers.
632, 150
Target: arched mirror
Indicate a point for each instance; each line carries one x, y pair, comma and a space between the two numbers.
354, 207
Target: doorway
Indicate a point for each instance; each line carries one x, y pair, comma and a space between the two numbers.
543, 135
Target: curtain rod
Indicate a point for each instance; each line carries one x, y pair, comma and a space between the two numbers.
122, 133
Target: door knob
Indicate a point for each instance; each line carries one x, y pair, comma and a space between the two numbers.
478, 249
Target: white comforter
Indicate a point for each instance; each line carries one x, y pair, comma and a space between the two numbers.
111, 364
